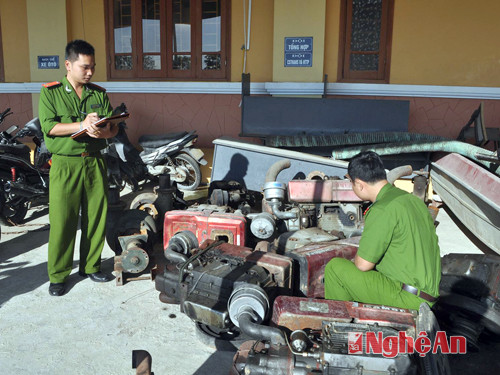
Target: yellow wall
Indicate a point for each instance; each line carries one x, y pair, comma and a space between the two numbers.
260, 55
332, 31
47, 36
295, 18
15, 40
90, 27
446, 42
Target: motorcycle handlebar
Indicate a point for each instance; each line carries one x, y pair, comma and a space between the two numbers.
5, 114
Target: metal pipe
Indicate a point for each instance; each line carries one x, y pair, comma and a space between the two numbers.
22, 189
461, 148
283, 215
244, 47
260, 332
249, 23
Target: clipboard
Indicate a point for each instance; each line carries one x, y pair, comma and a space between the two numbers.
101, 123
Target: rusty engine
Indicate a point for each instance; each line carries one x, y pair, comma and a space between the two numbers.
204, 283
327, 204
270, 292
320, 220
317, 338
204, 279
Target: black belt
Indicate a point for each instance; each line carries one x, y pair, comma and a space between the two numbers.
415, 291
84, 154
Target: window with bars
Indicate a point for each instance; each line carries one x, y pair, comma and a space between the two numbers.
365, 40
178, 39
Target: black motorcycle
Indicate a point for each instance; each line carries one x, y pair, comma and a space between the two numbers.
24, 182
2, 199
171, 153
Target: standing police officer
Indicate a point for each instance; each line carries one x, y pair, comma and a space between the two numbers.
78, 175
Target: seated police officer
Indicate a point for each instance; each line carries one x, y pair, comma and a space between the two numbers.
398, 261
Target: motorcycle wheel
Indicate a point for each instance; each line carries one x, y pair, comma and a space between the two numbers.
192, 169
14, 210
145, 202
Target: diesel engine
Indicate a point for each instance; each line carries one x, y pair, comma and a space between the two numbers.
204, 283
332, 337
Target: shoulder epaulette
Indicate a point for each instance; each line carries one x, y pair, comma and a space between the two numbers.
51, 84
93, 86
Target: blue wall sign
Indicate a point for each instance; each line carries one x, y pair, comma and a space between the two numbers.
298, 51
48, 62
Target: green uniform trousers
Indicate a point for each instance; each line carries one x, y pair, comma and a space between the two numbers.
76, 182
345, 282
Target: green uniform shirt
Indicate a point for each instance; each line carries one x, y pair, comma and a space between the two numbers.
59, 103
399, 236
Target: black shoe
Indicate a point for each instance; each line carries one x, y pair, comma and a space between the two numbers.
98, 277
56, 289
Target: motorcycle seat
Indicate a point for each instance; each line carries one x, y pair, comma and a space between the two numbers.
153, 141
16, 149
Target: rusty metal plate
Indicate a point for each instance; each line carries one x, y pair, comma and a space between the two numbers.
313, 258
307, 313
321, 191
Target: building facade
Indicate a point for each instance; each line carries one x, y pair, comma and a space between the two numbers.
177, 64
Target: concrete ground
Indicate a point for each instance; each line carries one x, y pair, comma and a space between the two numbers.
94, 327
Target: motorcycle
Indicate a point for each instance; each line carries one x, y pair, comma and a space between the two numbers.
2, 199
24, 182
171, 153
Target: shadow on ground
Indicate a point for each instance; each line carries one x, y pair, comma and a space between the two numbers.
218, 363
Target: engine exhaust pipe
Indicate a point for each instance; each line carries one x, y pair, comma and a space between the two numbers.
260, 332
180, 246
274, 191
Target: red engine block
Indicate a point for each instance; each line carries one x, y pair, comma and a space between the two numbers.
312, 260
206, 223
301, 313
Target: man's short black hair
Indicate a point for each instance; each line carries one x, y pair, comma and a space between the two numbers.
78, 47
367, 166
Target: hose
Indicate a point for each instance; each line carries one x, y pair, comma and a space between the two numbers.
398, 172
461, 148
276, 168
174, 257
180, 246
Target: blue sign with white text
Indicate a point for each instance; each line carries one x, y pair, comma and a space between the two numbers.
48, 62
298, 51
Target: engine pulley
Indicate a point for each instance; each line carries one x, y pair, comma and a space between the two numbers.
134, 260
